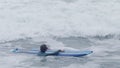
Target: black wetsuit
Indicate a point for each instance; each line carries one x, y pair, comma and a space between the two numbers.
44, 48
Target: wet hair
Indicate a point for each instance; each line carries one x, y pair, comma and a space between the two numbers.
43, 48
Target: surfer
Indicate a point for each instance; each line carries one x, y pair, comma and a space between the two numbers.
44, 48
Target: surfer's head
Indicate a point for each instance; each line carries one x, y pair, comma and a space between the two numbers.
43, 48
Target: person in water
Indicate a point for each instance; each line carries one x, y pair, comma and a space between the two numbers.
44, 48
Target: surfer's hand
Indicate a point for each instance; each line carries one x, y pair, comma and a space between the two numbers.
61, 50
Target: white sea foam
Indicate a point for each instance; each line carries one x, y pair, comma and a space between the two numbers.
60, 18
87, 65
52, 43
105, 48
12, 61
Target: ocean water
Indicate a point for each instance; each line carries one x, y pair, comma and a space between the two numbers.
62, 24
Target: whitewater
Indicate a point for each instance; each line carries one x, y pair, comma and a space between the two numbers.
62, 24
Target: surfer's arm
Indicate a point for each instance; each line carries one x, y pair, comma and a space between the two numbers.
55, 53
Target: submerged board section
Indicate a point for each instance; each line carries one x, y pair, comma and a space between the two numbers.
65, 53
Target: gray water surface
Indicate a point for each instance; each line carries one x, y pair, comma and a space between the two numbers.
105, 55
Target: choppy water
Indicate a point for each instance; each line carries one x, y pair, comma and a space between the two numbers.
62, 24
106, 53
